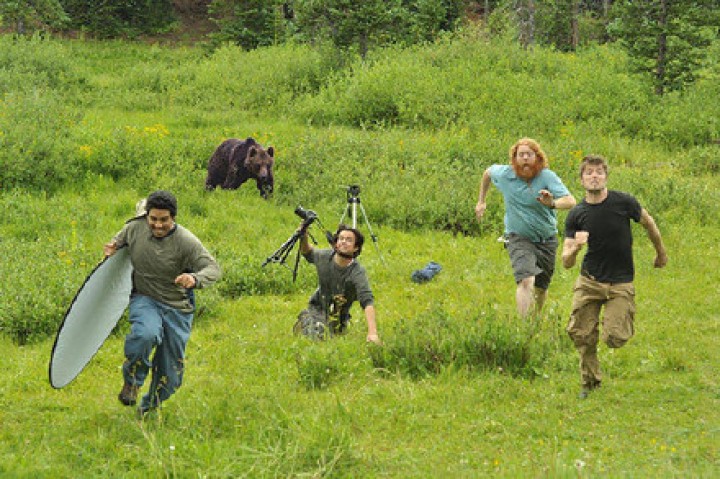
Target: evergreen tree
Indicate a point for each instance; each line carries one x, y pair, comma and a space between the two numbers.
114, 18
27, 16
667, 38
248, 23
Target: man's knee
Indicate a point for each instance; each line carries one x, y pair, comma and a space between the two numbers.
581, 338
527, 283
143, 335
582, 333
616, 339
615, 342
312, 323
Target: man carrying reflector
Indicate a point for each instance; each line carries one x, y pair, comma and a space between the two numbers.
168, 263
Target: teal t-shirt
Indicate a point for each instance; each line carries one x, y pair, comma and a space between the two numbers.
524, 214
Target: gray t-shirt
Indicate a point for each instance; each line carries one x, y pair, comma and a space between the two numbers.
158, 261
338, 287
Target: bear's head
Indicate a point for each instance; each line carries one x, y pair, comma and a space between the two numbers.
259, 162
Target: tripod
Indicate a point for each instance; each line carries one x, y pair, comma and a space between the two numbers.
353, 201
281, 254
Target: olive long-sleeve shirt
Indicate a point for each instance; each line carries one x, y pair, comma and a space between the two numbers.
158, 261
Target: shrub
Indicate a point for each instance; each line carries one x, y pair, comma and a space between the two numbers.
36, 151
112, 19
431, 342
321, 363
33, 304
263, 81
28, 64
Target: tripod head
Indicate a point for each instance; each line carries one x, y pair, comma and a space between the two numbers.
353, 194
353, 200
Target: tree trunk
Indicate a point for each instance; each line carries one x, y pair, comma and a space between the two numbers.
574, 25
661, 59
525, 11
606, 8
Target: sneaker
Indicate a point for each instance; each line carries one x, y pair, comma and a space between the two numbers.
128, 395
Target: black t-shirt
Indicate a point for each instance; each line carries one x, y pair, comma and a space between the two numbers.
609, 257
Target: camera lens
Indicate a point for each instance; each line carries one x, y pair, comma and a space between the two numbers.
301, 212
307, 215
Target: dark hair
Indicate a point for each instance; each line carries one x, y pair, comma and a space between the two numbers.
595, 160
162, 200
359, 238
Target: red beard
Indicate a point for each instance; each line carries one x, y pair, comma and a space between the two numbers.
527, 174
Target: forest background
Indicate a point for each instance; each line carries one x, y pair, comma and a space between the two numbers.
92, 120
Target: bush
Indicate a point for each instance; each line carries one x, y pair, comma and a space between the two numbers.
263, 81
112, 19
33, 305
29, 64
36, 150
430, 343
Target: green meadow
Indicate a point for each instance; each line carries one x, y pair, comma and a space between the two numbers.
461, 387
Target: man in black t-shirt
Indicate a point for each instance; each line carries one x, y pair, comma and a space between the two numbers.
602, 222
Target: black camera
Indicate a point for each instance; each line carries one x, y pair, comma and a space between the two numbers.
307, 215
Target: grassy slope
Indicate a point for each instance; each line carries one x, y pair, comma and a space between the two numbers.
245, 410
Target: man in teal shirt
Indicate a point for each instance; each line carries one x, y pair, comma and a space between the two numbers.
168, 263
532, 194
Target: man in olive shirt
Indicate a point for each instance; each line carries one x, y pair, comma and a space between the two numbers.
168, 263
342, 281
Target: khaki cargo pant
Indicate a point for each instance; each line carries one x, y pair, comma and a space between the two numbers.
589, 297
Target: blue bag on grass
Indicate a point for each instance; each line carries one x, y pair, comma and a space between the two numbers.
427, 273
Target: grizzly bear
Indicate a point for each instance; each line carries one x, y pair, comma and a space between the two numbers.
236, 161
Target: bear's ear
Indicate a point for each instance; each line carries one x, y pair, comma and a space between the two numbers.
271, 151
252, 152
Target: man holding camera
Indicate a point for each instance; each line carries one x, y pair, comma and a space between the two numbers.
342, 281
602, 222
169, 262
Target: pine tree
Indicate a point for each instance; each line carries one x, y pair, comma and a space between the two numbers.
667, 38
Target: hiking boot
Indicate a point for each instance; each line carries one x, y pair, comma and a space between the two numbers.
141, 412
128, 395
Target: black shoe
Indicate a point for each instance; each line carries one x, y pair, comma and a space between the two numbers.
587, 389
128, 395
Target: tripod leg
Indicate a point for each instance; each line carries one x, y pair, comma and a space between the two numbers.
372, 233
344, 214
297, 264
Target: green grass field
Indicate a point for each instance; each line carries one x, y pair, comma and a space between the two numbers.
121, 120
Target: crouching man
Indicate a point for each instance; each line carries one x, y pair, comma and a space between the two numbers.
341, 282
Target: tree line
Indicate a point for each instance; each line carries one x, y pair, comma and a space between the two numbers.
667, 39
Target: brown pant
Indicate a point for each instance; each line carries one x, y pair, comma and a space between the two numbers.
589, 298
